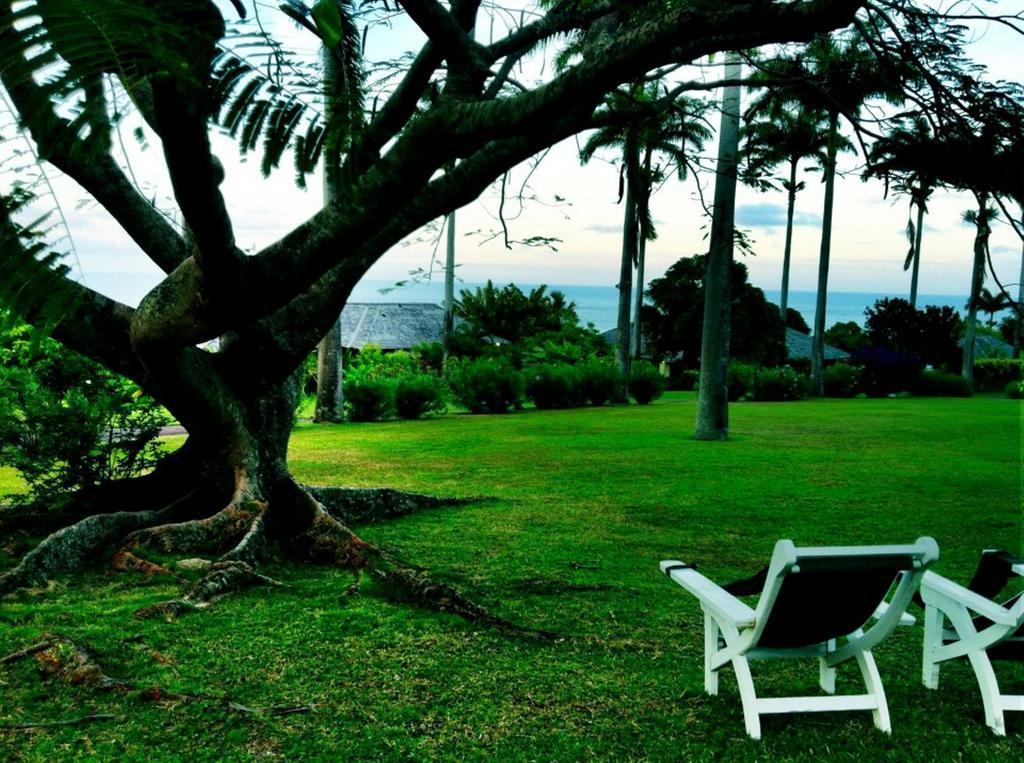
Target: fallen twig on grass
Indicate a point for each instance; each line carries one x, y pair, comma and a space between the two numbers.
94, 718
28, 651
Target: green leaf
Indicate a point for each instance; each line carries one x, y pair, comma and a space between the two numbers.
328, 21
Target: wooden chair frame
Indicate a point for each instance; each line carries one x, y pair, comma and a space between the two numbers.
945, 600
732, 630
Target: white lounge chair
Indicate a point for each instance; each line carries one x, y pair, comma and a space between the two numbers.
981, 630
810, 599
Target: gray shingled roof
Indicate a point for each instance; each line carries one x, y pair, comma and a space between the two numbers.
798, 347
390, 325
986, 346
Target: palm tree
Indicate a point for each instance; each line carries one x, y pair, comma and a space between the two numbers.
713, 397
896, 159
837, 79
777, 134
981, 219
651, 147
991, 303
449, 285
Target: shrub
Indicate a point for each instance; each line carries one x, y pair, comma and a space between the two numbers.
741, 381
418, 394
553, 385
645, 382
600, 381
996, 373
841, 380
66, 423
684, 381
932, 383
1015, 390
430, 354
779, 384
884, 372
368, 399
485, 385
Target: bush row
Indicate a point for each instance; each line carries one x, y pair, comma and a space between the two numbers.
492, 385
997, 373
749, 382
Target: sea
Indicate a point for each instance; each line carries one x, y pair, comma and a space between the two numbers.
599, 304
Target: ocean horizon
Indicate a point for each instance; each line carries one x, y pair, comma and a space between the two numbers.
599, 304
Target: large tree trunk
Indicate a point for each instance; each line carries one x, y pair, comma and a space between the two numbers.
916, 265
788, 252
449, 287
977, 281
713, 398
821, 306
629, 249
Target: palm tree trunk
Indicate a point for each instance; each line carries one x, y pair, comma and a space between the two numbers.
713, 398
638, 298
449, 287
790, 210
329, 395
643, 213
821, 307
1018, 309
629, 249
916, 266
977, 280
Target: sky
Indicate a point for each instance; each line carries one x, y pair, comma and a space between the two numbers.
869, 240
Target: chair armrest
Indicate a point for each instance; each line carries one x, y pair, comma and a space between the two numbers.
1018, 569
711, 596
905, 619
935, 589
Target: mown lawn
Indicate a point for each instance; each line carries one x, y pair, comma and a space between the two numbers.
583, 505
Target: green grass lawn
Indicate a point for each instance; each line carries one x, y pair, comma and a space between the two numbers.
583, 506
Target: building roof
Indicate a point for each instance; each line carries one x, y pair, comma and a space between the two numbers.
798, 347
987, 346
390, 325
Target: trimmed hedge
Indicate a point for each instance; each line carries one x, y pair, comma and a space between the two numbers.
485, 385
996, 373
646, 383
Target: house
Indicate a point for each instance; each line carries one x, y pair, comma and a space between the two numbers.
395, 325
390, 325
798, 347
987, 346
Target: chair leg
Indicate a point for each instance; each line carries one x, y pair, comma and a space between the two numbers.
933, 621
710, 648
873, 682
747, 696
987, 683
826, 673
990, 695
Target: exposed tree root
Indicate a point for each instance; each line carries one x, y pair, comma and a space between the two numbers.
329, 541
243, 534
363, 506
126, 561
61, 658
222, 579
69, 548
214, 533
91, 718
